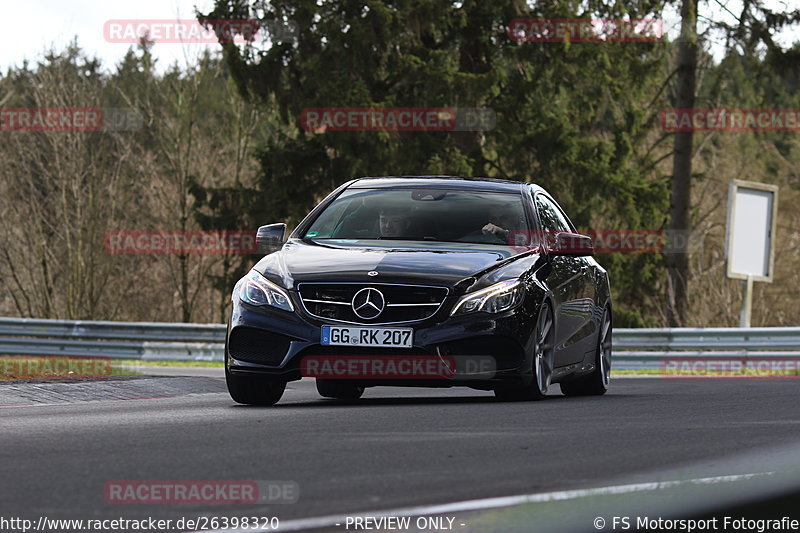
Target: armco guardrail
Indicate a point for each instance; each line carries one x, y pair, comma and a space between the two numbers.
633, 348
118, 340
647, 348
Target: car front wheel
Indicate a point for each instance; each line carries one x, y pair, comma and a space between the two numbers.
254, 389
543, 359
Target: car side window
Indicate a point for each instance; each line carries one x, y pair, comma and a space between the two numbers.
550, 215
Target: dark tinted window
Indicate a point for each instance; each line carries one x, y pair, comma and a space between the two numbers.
422, 214
550, 215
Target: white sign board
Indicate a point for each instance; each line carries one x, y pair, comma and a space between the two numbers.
752, 214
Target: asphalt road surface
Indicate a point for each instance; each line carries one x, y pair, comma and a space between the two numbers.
396, 448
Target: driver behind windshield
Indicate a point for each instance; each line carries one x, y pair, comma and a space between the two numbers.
394, 222
502, 220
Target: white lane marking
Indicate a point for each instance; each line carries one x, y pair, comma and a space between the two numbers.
330, 521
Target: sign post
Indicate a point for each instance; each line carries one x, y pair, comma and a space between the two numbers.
750, 235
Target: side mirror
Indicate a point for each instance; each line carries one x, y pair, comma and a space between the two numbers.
270, 237
573, 244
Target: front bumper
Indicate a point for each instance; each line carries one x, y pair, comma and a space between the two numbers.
273, 342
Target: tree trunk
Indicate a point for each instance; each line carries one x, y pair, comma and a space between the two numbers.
680, 186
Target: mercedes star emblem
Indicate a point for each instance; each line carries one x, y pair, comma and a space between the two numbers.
368, 303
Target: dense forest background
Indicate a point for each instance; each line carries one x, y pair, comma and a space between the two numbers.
218, 146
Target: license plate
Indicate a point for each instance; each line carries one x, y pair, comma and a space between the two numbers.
356, 336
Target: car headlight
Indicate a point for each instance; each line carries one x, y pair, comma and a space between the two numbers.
493, 299
255, 289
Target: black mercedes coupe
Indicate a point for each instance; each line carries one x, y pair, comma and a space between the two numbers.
423, 281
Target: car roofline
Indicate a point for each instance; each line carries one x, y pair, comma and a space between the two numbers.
441, 182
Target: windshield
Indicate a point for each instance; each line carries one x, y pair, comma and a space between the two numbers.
422, 215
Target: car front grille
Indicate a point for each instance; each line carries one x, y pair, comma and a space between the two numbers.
403, 303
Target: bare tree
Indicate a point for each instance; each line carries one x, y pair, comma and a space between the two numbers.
681, 183
62, 189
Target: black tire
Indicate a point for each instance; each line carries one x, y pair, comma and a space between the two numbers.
339, 389
542, 365
596, 383
253, 389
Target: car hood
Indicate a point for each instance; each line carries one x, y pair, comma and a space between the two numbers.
426, 263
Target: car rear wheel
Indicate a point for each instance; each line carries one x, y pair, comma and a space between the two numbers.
597, 382
253, 389
543, 359
339, 389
